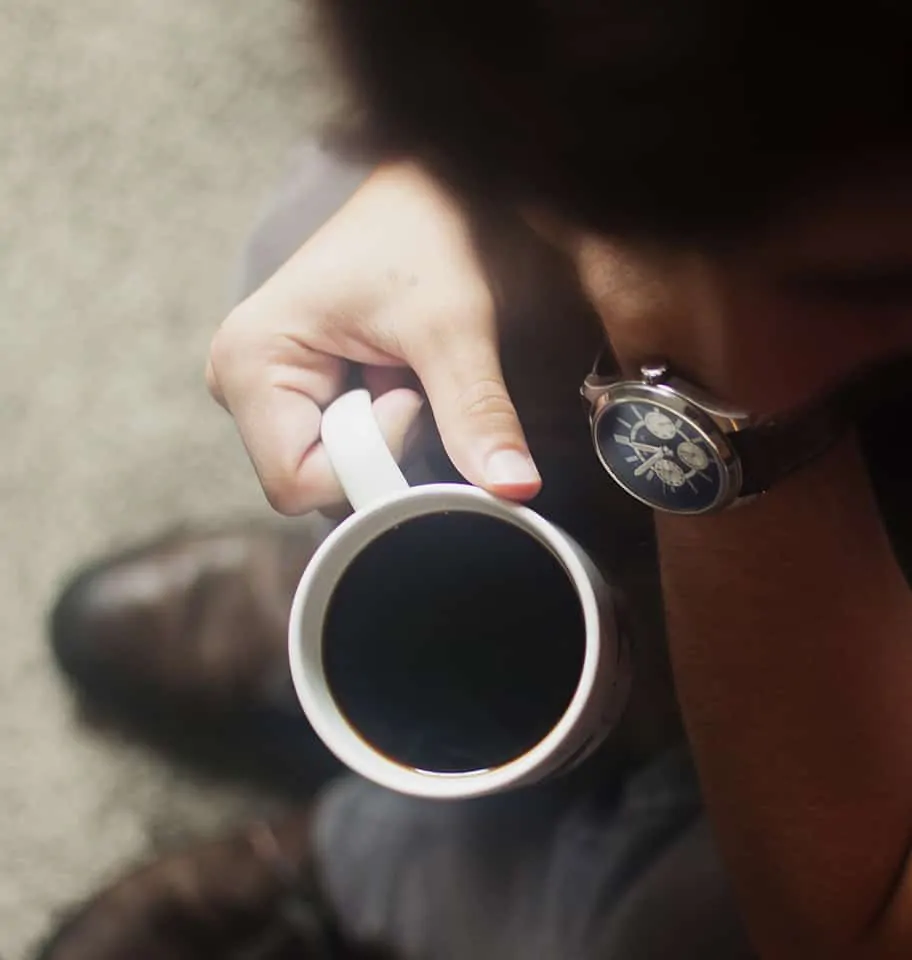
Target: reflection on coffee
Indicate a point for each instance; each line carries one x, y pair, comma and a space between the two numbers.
454, 642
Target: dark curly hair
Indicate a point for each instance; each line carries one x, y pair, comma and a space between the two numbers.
673, 118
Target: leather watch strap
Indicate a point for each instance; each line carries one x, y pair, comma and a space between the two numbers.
771, 450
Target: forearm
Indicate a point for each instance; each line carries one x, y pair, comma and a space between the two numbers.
789, 626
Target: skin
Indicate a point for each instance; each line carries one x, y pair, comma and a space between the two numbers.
794, 678
391, 282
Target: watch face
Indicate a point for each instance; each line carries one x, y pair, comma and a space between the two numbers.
660, 456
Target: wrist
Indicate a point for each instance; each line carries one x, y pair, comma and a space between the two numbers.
824, 515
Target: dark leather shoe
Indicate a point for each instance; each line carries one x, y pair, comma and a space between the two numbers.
183, 641
250, 896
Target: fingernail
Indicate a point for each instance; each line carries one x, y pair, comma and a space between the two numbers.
510, 468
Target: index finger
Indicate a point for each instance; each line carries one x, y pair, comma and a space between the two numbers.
276, 388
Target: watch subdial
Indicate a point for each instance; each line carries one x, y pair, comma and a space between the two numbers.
660, 425
669, 473
692, 456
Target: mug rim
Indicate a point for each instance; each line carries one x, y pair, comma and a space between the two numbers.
320, 707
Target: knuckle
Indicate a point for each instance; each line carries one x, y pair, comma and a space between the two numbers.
487, 399
293, 487
284, 495
224, 345
235, 340
212, 383
238, 322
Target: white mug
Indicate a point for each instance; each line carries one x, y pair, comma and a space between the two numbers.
383, 502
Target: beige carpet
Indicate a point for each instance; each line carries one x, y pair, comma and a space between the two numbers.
138, 139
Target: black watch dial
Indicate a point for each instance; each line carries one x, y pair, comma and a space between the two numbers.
660, 456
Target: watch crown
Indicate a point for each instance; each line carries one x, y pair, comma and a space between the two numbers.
653, 373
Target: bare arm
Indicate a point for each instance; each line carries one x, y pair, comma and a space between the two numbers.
790, 624
790, 632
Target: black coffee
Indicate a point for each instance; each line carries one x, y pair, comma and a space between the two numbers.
454, 642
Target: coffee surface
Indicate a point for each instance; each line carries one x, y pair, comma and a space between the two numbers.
454, 642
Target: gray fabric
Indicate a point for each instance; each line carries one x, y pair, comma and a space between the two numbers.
568, 870
317, 185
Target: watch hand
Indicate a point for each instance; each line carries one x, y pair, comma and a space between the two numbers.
637, 445
646, 465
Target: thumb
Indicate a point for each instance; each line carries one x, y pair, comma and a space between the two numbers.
478, 423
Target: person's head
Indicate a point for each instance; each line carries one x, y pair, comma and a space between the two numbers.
674, 119
661, 129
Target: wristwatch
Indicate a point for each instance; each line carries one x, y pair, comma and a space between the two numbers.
672, 446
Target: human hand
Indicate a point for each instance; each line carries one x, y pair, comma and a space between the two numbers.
391, 283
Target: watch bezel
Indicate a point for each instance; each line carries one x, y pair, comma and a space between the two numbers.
603, 397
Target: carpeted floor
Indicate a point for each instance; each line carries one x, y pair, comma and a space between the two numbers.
139, 139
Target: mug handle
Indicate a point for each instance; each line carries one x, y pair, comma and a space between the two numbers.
364, 466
